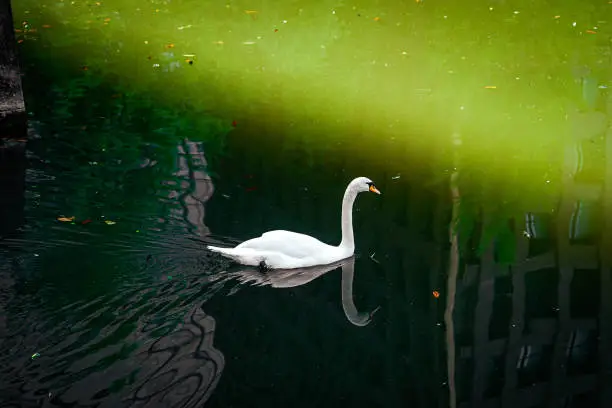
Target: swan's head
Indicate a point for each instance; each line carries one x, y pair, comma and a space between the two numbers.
361, 184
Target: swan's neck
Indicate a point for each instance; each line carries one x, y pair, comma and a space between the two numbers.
348, 242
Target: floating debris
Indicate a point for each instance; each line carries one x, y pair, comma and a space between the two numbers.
373, 259
109, 222
490, 87
249, 42
395, 177
35, 355
435, 294
184, 27
66, 219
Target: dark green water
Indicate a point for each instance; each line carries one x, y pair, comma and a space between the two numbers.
137, 313
121, 306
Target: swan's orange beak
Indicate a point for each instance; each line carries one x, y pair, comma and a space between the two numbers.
374, 189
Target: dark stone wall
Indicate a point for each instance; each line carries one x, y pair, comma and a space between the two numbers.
13, 128
12, 109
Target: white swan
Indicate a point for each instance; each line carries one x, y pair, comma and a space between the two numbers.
288, 250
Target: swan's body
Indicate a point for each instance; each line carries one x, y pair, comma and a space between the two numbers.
288, 250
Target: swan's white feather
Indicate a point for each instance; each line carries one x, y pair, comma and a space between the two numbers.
292, 244
283, 249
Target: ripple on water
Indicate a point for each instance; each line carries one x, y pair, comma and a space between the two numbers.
147, 342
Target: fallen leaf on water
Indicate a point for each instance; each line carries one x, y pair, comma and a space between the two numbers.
107, 19
376, 18
170, 46
65, 219
87, 221
490, 87
591, 32
109, 222
435, 294
46, 26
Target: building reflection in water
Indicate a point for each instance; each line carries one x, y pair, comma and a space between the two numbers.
190, 188
184, 366
168, 359
538, 333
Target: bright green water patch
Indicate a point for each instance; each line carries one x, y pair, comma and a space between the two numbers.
383, 83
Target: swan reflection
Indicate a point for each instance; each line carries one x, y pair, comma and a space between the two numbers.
291, 278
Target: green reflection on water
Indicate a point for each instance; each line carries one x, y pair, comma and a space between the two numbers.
383, 83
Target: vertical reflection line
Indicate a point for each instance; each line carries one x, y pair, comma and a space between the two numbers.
452, 282
605, 316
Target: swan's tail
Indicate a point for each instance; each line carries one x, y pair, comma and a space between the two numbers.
242, 255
